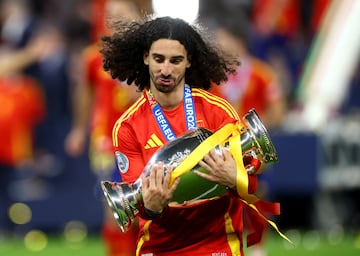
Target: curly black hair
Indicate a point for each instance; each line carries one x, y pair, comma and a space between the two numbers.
123, 52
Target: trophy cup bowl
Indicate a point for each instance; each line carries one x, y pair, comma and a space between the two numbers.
123, 198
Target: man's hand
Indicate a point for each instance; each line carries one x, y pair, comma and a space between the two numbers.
156, 192
221, 168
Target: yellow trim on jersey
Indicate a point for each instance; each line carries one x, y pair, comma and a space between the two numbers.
232, 238
143, 238
228, 132
150, 144
153, 142
211, 98
218, 101
125, 116
157, 140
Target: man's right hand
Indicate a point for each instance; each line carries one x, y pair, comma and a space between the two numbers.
156, 192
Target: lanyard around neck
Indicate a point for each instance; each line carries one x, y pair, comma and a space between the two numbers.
162, 121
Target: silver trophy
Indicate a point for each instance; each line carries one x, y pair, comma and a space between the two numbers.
124, 198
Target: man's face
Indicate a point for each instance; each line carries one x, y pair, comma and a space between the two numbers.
167, 60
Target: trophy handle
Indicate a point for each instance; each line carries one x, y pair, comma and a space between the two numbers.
257, 139
123, 197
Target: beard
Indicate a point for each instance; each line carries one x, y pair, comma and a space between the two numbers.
166, 84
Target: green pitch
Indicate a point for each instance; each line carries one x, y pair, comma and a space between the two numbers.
313, 243
54, 246
307, 243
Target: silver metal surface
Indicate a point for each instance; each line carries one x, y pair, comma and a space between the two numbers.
124, 198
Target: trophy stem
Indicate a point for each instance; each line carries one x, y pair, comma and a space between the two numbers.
123, 198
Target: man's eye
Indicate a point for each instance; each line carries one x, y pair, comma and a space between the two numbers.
176, 61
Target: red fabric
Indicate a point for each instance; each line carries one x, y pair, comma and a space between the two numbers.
205, 236
255, 224
253, 184
119, 243
177, 233
278, 16
134, 129
98, 24
318, 13
111, 98
254, 86
22, 107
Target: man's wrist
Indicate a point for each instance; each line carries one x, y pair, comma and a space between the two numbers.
152, 214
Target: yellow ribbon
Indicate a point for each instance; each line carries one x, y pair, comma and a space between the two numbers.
268, 221
200, 151
229, 132
242, 180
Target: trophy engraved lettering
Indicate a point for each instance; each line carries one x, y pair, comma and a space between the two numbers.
123, 198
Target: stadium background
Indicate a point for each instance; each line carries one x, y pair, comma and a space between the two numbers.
317, 179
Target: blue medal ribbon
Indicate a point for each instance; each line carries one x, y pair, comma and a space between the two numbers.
189, 108
163, 123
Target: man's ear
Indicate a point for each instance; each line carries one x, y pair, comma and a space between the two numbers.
188, 62
146, 58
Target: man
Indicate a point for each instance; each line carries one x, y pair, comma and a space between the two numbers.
100, 101
22, 109
256, 84
173, 65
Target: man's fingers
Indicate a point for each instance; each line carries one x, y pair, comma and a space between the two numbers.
160, 173
167, 175
144, 181
226, 154
174, 185
155, 176
213, 155
209, 160
204, 175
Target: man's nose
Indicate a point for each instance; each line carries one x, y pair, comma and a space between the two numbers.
166, 69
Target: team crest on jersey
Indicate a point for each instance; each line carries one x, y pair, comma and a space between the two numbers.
122, 162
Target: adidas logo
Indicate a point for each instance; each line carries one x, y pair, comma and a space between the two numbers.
153, 142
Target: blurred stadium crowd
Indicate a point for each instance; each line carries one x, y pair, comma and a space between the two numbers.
43, 187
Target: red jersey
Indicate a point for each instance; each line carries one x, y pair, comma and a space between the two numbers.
254, 86
97, 24
283, 17
195, 229
22, 107
111, 98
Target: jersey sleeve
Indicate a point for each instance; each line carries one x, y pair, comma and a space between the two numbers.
128, 153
